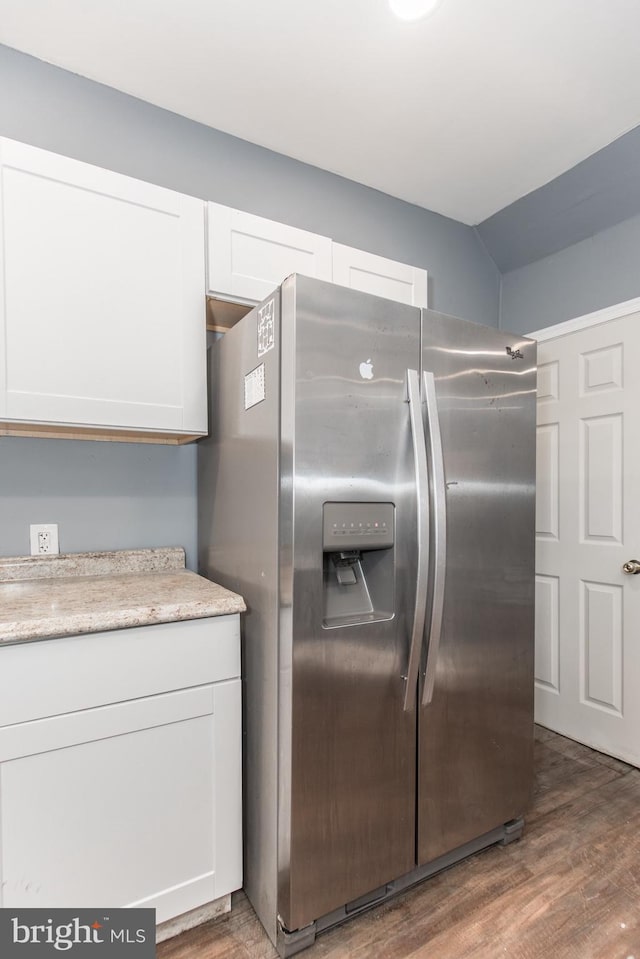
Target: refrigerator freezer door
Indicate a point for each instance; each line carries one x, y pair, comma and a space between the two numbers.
476, 735
347, 769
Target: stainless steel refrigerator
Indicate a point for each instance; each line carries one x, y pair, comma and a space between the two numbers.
368, 486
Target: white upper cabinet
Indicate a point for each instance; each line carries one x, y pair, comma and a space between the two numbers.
248, 256
102, 316
375, 274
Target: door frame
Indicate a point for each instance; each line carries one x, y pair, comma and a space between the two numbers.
614, 312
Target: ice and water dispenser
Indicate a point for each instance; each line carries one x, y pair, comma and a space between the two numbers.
358, 563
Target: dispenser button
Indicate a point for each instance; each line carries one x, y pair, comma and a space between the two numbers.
346, 575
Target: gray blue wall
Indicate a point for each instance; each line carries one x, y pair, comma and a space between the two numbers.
102, 495
592, 196
107, 496
597, 272
571, 246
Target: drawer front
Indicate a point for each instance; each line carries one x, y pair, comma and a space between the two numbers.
54, 676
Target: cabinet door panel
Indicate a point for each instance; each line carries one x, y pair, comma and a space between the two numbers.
103, 722
376, 274
249, 256
132, 818
103, 296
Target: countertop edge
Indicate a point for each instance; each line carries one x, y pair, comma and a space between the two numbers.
37, 630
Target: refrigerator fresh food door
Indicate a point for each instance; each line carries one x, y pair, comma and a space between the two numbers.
476, 719
348, 559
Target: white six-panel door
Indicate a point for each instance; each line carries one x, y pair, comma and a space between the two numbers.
588, 527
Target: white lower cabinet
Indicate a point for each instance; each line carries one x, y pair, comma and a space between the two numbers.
131, 802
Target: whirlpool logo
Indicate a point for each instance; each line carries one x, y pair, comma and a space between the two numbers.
38, 933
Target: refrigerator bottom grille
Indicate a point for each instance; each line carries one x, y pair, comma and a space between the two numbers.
291, 942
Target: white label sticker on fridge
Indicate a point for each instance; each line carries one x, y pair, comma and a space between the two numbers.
254, 391
266, 328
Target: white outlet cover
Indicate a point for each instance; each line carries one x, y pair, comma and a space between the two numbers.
50, 531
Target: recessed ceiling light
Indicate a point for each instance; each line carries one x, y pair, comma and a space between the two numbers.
413, 9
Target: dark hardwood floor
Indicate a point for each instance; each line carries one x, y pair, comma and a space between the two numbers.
569, 889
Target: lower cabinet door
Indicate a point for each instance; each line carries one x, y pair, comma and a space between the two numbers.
124, 805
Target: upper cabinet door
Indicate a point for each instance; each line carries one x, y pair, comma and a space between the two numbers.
102, 315
375, 274
249, 256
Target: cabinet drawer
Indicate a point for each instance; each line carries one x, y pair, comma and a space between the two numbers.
40, 679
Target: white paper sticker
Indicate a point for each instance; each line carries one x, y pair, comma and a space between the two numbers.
266, 328
254, 390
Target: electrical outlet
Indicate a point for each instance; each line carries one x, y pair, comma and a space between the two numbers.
44, 538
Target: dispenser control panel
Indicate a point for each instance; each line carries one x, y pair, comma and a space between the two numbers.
348, 526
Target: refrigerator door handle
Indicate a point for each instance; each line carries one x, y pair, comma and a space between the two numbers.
439, 521
422, 571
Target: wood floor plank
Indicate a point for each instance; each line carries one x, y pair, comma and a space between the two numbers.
561, 778
569, 889
567, 747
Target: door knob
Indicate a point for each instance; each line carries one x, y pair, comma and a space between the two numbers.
633, 567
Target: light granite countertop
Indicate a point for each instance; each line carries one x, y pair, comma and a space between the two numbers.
43, 597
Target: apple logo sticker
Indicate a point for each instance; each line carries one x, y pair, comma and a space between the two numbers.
366, 370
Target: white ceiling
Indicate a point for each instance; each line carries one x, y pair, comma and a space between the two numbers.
461, 113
